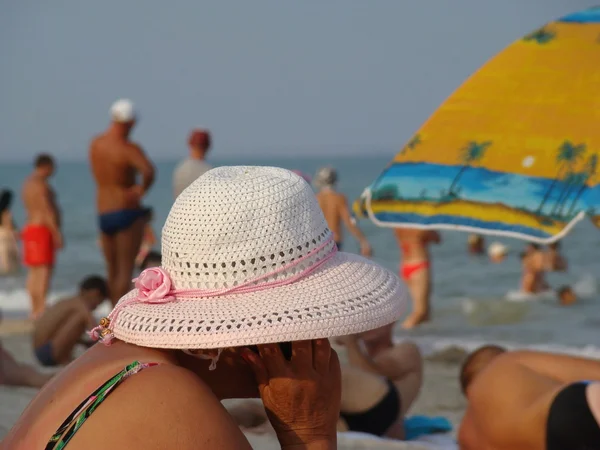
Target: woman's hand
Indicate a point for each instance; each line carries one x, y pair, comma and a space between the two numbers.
302, 396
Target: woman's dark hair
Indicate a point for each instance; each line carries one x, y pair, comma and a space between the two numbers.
5, 201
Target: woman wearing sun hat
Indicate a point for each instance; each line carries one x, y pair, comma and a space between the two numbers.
247, 260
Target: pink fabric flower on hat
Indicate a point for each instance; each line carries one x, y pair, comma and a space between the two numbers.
154, 285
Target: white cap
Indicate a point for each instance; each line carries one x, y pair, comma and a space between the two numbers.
122, 111
497, 249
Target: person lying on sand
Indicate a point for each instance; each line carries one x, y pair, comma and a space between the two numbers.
376, 392
61, 327
16, 374
528, 400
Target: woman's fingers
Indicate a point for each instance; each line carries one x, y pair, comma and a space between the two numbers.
257, 366
302, 355
273, 359
321, 355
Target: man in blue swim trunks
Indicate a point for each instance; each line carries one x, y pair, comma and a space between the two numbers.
116, 161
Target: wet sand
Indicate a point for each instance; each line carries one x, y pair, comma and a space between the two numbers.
440, 395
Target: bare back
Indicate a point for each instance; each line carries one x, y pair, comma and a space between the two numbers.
533, 280
333, 204
508, 408
53, 318
154, 409
39, 201
115, 162
414, 243
372, 389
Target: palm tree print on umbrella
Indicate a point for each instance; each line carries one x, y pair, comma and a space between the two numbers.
471, 153
541, 36
566, 156
413, 143
588, 174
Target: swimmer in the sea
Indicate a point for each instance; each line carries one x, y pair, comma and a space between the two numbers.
497, 252
116, 161
528, 400
566, 296
416, 270
554, 260
336, 211
533, 263
476, 244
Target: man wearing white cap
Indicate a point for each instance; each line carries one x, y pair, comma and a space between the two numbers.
115, 162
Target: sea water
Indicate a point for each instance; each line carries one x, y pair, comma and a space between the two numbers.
470, 303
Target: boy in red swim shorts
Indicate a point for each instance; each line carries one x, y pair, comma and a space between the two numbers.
41, 235
38, 246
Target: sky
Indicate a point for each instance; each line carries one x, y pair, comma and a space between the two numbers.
267, 77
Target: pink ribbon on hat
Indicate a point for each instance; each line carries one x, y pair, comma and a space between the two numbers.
154, 286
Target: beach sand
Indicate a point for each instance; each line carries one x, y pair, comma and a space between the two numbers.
440, 395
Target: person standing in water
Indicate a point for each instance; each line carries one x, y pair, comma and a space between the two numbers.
148, 243
195, 164
416, 270
115, 162
555, 261
41, 234
336, 211
9, 250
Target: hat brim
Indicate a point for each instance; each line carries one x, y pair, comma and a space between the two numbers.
346, 295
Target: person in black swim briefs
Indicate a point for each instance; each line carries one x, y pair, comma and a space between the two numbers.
530, 400
116, 161
379, 385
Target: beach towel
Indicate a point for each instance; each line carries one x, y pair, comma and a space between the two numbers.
416, 426
359, 441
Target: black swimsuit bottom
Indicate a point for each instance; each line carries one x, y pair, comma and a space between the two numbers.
379, 418
571, 425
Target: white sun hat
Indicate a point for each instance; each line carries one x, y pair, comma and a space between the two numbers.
247, 259
122, 111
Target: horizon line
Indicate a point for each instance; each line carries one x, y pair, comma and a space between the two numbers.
366, 152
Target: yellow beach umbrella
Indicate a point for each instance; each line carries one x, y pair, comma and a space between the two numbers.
514, 151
